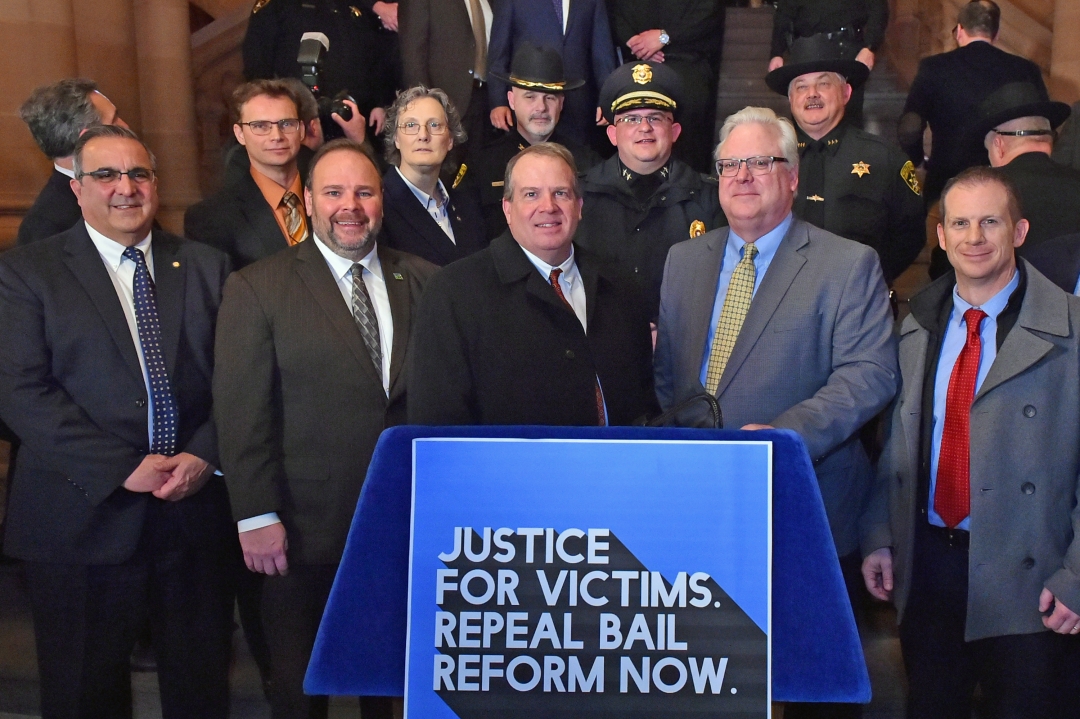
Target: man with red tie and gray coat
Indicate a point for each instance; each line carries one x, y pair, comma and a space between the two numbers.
973, 528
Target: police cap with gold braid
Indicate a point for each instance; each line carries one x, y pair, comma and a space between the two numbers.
641, 85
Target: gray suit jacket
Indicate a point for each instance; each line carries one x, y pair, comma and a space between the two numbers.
1025, 458
815, 354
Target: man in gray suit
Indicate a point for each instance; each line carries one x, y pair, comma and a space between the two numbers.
974, 524
812, 349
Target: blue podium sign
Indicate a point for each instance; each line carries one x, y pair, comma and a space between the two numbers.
600, 578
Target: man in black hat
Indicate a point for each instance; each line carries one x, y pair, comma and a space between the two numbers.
851, 183
854, 28
536, 96
642, 201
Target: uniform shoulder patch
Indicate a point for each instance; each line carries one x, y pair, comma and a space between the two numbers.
907, 172
460, 175
259, 5
697, 229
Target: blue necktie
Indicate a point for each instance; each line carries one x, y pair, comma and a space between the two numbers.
146, 317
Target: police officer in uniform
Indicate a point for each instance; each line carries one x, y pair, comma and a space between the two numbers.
851, 183
354, 62
854, 27
641, 201
536, 95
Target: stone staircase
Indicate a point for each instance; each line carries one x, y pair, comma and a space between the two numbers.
745, 61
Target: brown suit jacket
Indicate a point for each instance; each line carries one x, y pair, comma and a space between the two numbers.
437, 47
298, 400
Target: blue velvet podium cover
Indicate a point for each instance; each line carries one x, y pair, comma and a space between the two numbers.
361, 645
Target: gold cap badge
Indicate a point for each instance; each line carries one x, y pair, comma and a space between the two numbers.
642, 74
697, 229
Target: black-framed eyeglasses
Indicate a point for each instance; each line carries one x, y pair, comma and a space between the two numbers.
411, 127
1023, 133
262, 127
758, 165
109, 176
636, 120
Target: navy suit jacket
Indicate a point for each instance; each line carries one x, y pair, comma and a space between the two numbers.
72, 389
408, 227
587, 50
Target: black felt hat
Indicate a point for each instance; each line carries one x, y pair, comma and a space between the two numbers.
640, 85
1015, 100
815, 54
538, 68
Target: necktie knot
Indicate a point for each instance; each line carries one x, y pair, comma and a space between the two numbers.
553, 278
750, 251
291, 200
135, 255
973, 319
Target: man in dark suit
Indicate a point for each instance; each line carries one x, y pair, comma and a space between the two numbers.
310, 349
579, 30
420, 215
974, 529
1059, 260
531, 330
445, 45
262, 212
56, 114
948, 90
538, 87
1017, 123
115, 506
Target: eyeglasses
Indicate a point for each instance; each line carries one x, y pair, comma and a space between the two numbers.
413, 128
109, 176
636, 120
262, 127
759, 165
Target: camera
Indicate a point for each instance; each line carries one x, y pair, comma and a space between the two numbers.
313, 48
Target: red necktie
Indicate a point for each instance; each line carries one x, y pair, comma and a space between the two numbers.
952, 496
553, 278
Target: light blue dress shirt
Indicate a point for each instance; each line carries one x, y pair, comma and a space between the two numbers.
767, 245
951, 345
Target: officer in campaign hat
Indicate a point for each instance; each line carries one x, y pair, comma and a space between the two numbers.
641, 201
536, 95
851, 183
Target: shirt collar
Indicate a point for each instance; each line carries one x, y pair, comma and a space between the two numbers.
64, 171
766, 244
112, 251
425, 199
632, 178
992, 307
342, 266
830, 141
272, 192
568, 267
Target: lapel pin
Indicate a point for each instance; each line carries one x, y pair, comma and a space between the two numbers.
398, 276
176, 264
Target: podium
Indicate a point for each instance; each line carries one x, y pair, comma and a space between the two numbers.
361, 644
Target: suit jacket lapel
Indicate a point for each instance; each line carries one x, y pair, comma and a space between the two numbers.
590, 278
512, 266
418, 218
169, 280
84, 261
397, 289
703, 296
913, 368
784, 267
319, 281
260, 217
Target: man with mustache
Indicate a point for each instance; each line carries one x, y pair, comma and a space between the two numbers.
537, 93
851, 183
531, 330
310, 348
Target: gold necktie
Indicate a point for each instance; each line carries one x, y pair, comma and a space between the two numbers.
479, 31
736, 304
294, 219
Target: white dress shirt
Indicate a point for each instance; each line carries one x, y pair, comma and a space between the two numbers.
64, 171
437, 206
341, 268
485, 7
122, 273
570, 282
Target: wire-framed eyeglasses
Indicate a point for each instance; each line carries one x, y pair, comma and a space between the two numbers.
411, 127
109, 176
262, 127
757, 165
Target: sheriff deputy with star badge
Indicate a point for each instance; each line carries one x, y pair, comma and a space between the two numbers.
642, 200
851, 183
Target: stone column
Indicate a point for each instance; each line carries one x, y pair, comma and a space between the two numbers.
163, 49
105, 53
1065, 52
39, 48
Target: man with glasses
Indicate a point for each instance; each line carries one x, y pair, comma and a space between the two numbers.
642, 201
851, 183
115, 509
264, 211
786, 324
537, 93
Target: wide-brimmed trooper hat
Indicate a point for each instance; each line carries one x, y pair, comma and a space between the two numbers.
815, 54
538, 68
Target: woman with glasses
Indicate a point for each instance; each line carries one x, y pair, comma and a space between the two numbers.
421, 215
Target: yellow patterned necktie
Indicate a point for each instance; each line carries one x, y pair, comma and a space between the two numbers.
294, 219
736, 304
